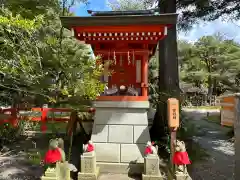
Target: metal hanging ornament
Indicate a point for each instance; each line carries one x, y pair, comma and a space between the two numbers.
129, 58
114, 58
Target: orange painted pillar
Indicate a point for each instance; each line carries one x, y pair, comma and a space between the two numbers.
14, 120
144, 73
44, 119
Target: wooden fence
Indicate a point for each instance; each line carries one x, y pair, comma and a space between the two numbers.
14, 116
190, 101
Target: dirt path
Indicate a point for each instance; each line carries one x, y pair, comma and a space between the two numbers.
220, 163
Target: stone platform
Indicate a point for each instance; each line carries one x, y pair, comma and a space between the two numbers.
120, 133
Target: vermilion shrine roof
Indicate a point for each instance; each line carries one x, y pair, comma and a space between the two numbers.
120, 18
109, 27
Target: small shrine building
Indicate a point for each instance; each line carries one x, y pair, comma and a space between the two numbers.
126, 40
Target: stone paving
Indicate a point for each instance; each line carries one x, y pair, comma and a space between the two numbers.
117, 177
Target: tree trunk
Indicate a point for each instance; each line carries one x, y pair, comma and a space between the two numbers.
168, 74
210, 89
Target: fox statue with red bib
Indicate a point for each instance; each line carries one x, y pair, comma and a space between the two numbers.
180, 157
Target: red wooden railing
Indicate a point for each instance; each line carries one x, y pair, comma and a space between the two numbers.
12, 116
14, 119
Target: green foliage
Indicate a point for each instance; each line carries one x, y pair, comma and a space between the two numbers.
187, 129
211, 61
30, 8
127, 5
41, 62
9, 134
192, 11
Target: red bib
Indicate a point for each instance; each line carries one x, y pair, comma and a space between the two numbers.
181, 158
148, 150
52, 156
90, 148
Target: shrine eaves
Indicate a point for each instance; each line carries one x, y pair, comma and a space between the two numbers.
125, 40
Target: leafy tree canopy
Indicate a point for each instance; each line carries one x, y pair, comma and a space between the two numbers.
211, 61
191, 11
41, 61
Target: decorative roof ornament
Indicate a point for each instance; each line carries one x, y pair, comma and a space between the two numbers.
122, 13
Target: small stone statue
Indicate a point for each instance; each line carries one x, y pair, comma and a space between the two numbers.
132, 91
150, 149
89, 147
61, 149
53, 155
180, 158
56, 154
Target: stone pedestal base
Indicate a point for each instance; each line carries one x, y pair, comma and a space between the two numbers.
151, 168
120, 131
89, 169
151, 177
88, 162
61, 172
89, 176
121, 168
182, 177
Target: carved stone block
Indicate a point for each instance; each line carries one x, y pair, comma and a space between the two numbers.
182, 177
89, 176
88, 162
151, 177
151, 168
50, 174
61, 172
151, 165
48, 178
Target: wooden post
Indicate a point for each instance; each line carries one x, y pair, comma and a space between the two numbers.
144, 74
44, 119
173, 123
173, 135
237, 136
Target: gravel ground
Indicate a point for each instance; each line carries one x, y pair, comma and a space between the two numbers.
220, 164
18, 168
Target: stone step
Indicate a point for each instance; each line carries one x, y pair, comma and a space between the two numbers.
117, 177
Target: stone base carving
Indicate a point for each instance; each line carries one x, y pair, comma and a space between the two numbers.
89, 176
89, 170
61, 172
88, 162
182, 177
151, 177
151, 168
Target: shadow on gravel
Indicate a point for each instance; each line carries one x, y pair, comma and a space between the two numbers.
18, 168
220, 162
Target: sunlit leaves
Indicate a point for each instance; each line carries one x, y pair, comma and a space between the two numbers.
210, 56
34, 63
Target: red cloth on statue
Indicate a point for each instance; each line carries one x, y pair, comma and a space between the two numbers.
181, 158
90, 148
52, 156
148, 150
